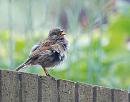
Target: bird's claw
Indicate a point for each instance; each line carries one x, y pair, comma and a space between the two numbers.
48, 75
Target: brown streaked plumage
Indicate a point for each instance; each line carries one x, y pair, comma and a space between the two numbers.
49, 52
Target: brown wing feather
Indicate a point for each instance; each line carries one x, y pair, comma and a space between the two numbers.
45, 45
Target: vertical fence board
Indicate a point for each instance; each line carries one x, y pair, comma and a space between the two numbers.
9, 87
29, 84
48, 89
120, 96
103, 94
66, 91
85, 93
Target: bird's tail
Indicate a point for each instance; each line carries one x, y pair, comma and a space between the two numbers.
23, 65
20, 67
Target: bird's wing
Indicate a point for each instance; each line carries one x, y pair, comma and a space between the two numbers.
43, 52
35, 47
46, 56
41, 47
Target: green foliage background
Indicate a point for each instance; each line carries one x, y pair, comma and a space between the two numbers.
98, 32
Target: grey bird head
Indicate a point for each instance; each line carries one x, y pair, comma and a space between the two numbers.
56, 33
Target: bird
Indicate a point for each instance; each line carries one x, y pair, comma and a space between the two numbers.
49, 52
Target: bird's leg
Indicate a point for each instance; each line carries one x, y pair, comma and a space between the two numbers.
46, 72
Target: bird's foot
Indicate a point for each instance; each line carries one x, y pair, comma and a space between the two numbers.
48, 75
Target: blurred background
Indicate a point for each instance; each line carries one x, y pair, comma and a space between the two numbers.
98, 32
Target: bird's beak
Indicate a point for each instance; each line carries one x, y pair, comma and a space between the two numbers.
62, 33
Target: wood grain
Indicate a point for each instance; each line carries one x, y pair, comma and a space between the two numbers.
85, 93
120, 96
23, 87
29, 84
48, 87
103, 94
9, 84
66, 91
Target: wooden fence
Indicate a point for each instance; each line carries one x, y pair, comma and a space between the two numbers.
23, 87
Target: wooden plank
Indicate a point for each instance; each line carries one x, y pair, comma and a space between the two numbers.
29, 85
66, 91
103, 94
9, 84
48, 87
85, 93
21, 87
120, 96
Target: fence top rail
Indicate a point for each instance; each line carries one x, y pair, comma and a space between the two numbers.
27, 87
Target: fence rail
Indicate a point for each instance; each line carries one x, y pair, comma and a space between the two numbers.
23, 87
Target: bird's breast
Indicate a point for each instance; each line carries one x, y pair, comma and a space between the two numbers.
58, 57
64, 43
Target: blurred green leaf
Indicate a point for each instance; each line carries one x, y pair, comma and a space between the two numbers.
19, 44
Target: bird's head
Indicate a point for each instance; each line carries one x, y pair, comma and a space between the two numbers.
56, 33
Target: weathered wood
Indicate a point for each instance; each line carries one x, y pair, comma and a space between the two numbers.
85, 93
29, 85
66, 91
48, 87
9, 87
103, 94
120, 96
23, 87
